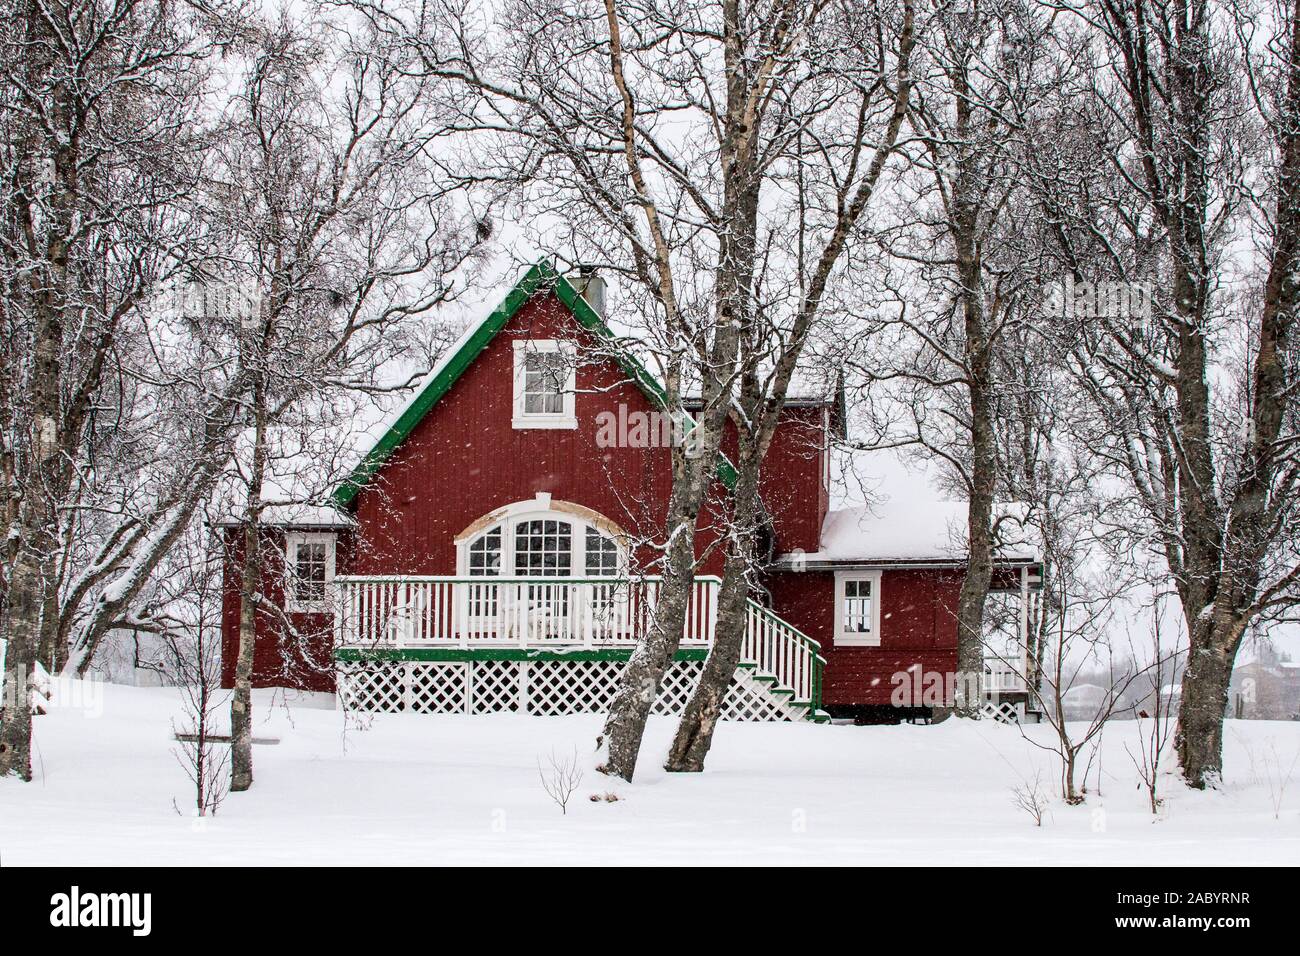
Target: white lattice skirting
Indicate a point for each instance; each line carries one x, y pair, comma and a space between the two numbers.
1003, 713
539, 687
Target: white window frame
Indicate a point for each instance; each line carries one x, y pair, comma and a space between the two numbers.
578, 542
855, 638
292, 541
566, 418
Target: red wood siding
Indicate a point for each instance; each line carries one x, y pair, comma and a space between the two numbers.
918, 628
281, 657
793, 484
464, 460
794, 480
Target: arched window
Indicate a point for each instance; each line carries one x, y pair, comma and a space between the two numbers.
549, 545
485, 553
544, 544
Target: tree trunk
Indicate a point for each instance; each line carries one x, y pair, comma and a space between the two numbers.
49, 653
241, 703
970, 607
983, 477
1204, 701
694, 734
1233, 561
48, 288
695, 729
250, 582
967, 231
639, 684
22, 612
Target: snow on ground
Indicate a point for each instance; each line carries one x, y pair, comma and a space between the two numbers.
451, 789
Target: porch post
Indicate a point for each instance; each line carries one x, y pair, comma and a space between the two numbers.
1024, 613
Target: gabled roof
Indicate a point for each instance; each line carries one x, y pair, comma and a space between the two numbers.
540, 279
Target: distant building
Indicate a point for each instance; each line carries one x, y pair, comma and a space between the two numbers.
1265, 689
1083, 701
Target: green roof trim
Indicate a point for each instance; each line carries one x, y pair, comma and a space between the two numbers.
540, 278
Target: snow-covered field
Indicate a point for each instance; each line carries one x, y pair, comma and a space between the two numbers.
427, 790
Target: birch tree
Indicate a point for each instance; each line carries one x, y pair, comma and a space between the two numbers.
968, 271
340, 230
833, 166
98, 98
640, 136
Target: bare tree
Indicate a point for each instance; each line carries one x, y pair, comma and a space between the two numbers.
189, 601
965, 272
642, 136
1156, 719
338, 232
1053, 477
840, 170
97, 100
1199, 405
560, 778
1030, 798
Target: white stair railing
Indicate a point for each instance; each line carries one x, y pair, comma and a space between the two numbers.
793, 658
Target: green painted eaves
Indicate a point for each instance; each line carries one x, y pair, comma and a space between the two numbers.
541, 277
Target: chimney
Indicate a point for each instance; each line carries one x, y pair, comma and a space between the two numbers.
591, 287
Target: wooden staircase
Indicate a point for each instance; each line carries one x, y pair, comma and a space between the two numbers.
787, 663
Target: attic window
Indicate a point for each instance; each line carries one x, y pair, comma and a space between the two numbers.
857, 609
544, 384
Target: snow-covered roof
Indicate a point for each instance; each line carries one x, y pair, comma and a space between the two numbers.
298, 516
909, 521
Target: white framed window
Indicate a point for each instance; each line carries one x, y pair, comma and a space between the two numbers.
309, 567
542, 544
603, 558
544, 384
857, 608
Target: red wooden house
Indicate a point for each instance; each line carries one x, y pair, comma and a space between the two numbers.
489, 552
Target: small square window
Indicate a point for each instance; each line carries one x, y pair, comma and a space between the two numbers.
545, 376
857, 608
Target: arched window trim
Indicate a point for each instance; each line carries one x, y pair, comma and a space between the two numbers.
508, 520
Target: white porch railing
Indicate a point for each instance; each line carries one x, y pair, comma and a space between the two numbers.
467, 612
558, 613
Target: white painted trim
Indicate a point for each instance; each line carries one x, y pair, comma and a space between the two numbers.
291, 542
512, 517
567, 418
856, 639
